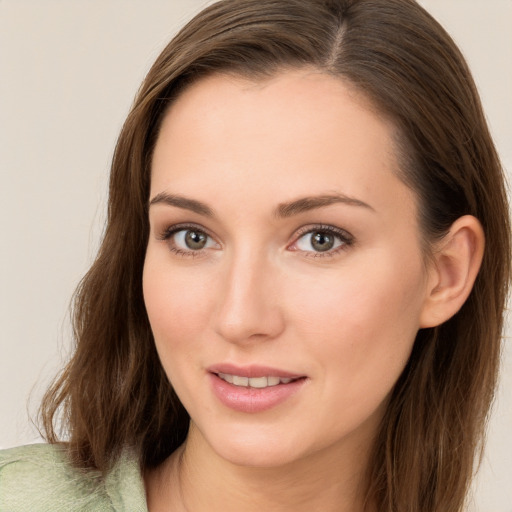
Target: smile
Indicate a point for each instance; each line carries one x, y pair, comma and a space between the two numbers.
254, 382
246, 394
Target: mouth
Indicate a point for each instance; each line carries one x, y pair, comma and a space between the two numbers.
253, 389
255, 382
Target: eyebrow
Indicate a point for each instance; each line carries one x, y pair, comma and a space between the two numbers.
182, 202
283, 210
305, 204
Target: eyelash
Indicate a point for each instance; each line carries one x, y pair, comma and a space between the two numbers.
172, 230
343, 236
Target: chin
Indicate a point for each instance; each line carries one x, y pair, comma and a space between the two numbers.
268, 456
250, 448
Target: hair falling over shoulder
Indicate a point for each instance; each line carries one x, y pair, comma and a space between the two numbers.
114, 393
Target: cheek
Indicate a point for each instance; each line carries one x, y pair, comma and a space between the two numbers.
368, 298
178, 307
363, 320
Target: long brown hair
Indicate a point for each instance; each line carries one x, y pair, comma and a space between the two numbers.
114, 393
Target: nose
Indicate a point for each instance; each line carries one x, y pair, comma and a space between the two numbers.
249, 308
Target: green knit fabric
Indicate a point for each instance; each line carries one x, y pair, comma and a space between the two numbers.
38, 478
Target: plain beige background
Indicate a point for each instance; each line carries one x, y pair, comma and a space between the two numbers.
68, 73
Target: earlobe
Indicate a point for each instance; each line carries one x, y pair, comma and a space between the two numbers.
457, 260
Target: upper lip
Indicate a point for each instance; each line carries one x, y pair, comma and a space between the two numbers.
252, 371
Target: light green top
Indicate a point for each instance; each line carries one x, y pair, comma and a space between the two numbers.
38, 478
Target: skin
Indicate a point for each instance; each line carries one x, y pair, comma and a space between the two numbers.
259, 293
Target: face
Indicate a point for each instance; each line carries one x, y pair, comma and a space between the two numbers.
284, 279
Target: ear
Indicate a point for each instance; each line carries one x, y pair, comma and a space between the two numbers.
457, 259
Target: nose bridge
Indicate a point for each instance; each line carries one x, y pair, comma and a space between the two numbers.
247, 307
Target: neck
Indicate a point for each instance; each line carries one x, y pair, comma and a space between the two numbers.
196, 479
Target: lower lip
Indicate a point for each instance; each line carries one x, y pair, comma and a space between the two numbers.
251, 400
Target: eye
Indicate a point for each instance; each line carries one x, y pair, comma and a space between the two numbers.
322, 240
188, 240
192, 239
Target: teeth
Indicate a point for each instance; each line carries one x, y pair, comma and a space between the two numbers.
274, 381
240, 381
254, 382
226, 377
258, 382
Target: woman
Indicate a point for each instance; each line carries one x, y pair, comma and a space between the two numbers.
299, 298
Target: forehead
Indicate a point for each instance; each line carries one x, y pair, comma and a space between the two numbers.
298, 131
306, 94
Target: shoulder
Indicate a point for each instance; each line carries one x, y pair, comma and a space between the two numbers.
39, 478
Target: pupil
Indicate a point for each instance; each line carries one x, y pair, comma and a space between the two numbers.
195, 240
322, 241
